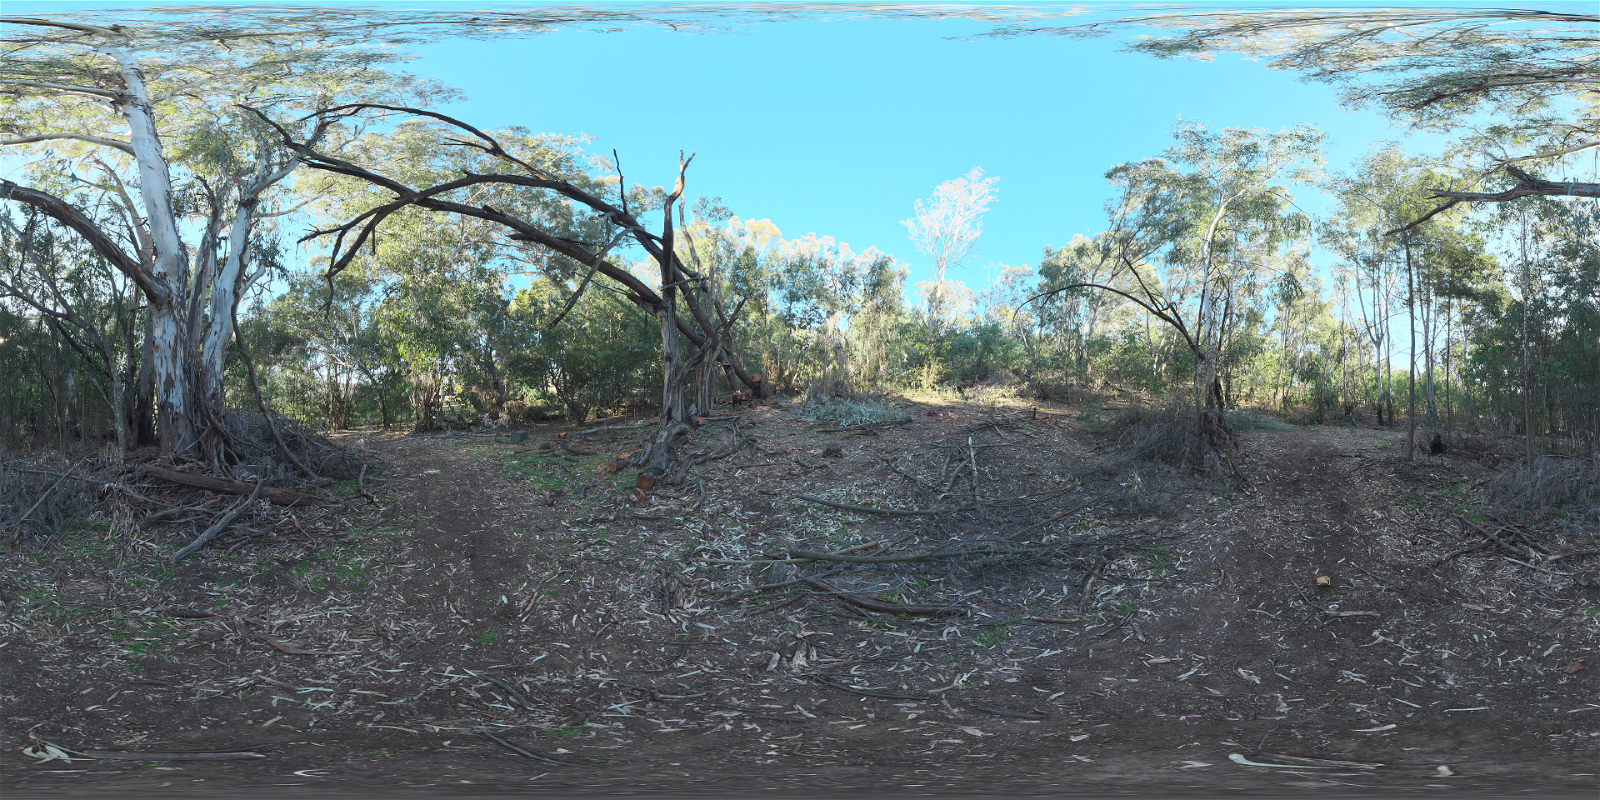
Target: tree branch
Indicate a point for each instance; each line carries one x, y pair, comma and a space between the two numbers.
123, 146
61, 87
63, 212
1527, 186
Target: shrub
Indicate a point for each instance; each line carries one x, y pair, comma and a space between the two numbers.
844, 412
1550, 483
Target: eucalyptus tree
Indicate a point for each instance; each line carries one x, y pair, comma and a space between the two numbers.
1241, 224
1387, 189
742, 258
1522, 83
139, 122
443, 280
1072, 319
87, 304
1543, 337
945, 228
1216, 212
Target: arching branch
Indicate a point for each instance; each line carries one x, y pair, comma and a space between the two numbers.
1527, 186
63, 212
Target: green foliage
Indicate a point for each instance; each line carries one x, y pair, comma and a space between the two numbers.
603, 353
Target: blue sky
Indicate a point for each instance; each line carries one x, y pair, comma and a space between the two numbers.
837, 127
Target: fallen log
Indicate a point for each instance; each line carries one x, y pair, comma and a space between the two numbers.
282, 497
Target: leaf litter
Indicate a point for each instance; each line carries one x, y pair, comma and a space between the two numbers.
1040, 592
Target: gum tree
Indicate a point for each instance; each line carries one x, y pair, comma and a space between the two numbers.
1529, 75
135, 143
1216, 212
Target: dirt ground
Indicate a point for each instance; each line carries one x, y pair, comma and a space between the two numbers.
510, 617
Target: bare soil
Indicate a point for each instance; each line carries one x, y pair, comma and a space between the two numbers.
1113, 627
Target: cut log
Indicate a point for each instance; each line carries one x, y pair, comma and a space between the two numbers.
282, 497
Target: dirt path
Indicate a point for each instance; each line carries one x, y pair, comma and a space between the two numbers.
515, 590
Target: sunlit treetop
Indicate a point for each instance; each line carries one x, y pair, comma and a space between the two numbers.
1533, 70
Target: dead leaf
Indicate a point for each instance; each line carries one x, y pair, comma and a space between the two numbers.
1575, 666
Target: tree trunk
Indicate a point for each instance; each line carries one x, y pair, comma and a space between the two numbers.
1411, 367
224, 296
1449, 405
1527, 355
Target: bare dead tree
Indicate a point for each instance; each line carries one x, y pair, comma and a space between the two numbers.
704, 327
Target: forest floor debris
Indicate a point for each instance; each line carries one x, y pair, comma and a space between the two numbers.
1088, 623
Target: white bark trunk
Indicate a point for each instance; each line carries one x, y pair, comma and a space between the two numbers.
224, 293
169, 267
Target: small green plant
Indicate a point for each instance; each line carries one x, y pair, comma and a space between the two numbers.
1162, 558
996, 633
487, 637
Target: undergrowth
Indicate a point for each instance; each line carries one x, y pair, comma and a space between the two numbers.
845, 412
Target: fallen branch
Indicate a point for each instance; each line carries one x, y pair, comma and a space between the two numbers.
361, 485
879, 605
221, 524
282, 497
808, 555
520, 751
1006, 712
1559, 556
865, 426
16, 535
1451, 555
107, 755
1125, 620
109, 484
